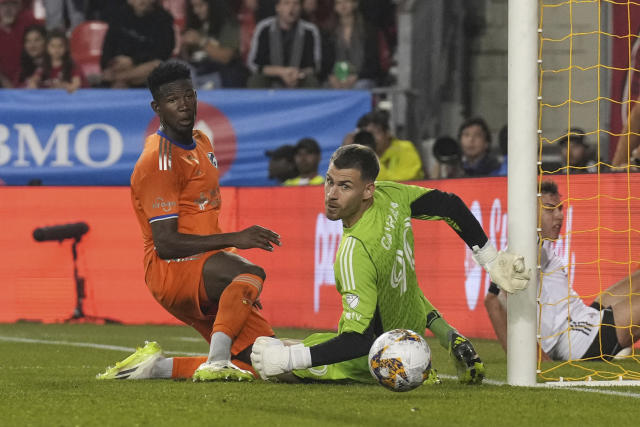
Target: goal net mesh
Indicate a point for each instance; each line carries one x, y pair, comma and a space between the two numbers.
589, 71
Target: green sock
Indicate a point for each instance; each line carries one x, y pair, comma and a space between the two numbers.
440, 329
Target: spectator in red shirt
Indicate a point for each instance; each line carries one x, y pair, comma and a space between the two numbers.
33, 50
13, 22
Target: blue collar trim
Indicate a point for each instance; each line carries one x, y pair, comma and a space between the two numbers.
184, 147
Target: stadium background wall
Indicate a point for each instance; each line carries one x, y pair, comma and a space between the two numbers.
38, 284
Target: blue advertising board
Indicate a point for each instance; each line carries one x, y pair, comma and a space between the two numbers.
94, 136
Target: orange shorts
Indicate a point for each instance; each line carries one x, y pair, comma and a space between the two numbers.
179, 287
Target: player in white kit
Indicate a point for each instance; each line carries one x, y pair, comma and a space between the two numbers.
570, 329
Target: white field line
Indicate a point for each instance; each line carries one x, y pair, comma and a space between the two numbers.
582, 389
131, 349
90, 345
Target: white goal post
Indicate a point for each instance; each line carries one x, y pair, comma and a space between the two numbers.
522, 185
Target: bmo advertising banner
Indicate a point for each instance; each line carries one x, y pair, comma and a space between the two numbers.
599, 246
94, 137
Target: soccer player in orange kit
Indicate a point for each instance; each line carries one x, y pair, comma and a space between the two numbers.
189, 268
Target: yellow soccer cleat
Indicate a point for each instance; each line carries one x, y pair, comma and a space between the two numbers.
432, 377
221, 370
138, 366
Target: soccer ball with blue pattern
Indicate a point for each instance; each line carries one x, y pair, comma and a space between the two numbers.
400, 360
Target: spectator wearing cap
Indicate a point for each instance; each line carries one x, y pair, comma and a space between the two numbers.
281, 163
575, 153
475, 142
399, 159
307, 159
13, 22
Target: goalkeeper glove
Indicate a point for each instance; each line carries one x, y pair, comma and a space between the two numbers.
270, 357
506, 270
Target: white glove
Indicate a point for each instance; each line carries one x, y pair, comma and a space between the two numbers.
506, 270
270, 357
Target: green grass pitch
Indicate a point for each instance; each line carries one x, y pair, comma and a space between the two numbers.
47, 378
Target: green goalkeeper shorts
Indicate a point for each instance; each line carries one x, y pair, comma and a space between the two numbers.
349, 370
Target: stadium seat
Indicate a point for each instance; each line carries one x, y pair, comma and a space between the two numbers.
86, 46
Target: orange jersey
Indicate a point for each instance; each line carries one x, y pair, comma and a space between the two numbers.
171, 180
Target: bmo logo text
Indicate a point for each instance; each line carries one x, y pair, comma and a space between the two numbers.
63, 142
82, 143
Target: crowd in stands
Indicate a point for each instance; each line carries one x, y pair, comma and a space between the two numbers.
341, 44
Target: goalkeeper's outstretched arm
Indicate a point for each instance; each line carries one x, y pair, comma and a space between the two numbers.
450, 208
507, 270
271, 357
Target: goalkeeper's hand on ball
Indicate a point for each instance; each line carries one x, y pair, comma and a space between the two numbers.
506, 270
270, 357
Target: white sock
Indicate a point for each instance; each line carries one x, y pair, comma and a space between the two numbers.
162, 368
220, 348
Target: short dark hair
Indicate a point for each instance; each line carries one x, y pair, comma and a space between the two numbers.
379, 118
308, 144
577, 135
167, 72
366, 138
476, 121
549, 187
285, 151
356, 156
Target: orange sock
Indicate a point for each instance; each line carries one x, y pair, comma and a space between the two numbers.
184, 367
235, 304
255, 326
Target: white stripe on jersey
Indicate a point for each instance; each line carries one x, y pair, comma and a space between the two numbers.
353, 280
346, 265
164, 155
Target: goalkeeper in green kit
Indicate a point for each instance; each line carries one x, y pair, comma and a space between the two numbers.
375, 275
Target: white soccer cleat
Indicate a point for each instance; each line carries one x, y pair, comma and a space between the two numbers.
623, 354
138, 366
221, 370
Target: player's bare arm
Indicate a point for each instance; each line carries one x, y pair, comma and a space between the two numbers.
497, 315
171, 244
627, 144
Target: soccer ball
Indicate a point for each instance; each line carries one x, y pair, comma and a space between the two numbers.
400, 360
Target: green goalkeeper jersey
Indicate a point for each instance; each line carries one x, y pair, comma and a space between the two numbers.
375, 266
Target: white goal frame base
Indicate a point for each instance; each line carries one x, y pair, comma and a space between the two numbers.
590, 383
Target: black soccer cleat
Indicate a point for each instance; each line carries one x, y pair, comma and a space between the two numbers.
469, 366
